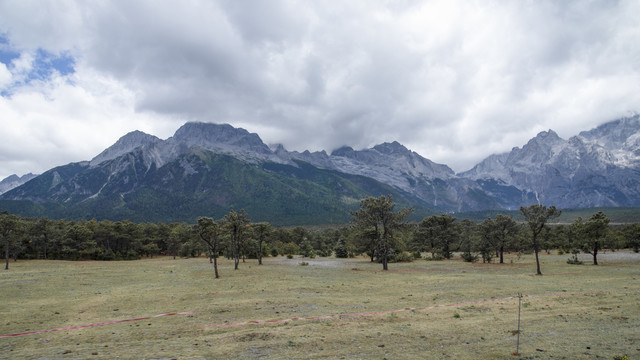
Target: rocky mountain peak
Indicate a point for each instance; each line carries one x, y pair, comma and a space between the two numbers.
209, 134
391, 148
547, 138
125, 144
614, 134
344, 151
224, 139
596, 168
13, 181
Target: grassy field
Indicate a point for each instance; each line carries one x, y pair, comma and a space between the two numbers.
572, 312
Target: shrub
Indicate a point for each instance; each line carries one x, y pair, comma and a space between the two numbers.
574, 259
290, 248
416, 255
435, 257
403, 256
306, 250
469, 257
341, 249
487, 257
325, 252
132, 255
109, 255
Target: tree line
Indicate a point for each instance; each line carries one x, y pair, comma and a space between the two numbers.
376, 229
235, 236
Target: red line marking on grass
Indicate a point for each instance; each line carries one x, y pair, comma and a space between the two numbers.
92, 325
407, 309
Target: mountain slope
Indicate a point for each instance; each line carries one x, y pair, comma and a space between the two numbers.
125, 144
200, 182
595, 168
13, 181
208, 169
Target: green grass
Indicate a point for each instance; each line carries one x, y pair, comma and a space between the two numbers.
601, 319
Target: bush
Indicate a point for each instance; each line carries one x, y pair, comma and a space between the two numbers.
574, 259
291, 249
306, 250
131, 255
417, 255
341, 249
325, 252
487, 257
185, 250
469, 257
402, 256
435, 257
109, 255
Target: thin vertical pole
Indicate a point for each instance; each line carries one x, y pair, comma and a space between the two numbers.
518, 338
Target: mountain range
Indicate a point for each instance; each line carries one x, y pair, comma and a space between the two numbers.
208, 169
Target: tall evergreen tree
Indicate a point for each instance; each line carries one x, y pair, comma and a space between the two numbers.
377, 215
8, 229
439, 234
261, 232
236, 224
209, 231
536, 217
505, 233
595, 231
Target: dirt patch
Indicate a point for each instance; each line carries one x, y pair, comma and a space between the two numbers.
323, 262
613, 257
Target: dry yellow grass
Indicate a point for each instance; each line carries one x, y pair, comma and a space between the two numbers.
578, 312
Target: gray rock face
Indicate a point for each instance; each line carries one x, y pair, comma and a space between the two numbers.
599, 167
13, 181
124, 145
222, 139
390, 163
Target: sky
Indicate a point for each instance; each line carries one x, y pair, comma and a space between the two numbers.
454, 81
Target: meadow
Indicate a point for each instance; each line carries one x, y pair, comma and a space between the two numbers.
443, 309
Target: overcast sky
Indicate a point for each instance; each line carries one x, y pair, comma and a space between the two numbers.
454, 81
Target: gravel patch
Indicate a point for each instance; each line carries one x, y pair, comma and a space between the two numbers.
610, 256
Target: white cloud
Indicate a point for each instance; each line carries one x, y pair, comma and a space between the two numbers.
47, 124
453, 80
5, 76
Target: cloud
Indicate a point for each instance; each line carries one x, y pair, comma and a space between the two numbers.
5, 76
452, 80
